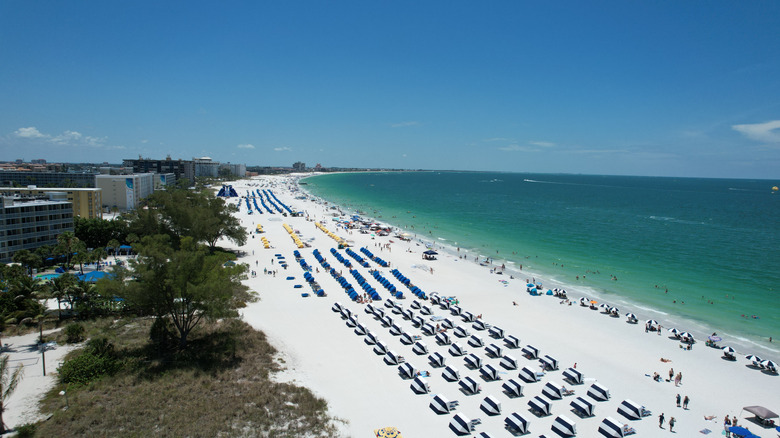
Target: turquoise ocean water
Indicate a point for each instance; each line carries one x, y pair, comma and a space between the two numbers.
701, 254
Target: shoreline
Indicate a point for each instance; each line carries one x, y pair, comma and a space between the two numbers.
700, 328
322, 353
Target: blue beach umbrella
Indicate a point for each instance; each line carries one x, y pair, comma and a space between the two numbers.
740, 431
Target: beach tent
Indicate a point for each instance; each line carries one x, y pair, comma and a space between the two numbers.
436, 359
369, 309
553, 390
420, 348
418, 321
456, 350
415, 304
428, 329
476, 341
469, 385
337, 307
380, 348
406, 338
528, 375
549, 362
443, 304
490, 405
441, 405
370, 338
389, 303
450, 374
379, 313
351, 322
345, 313
408, 314
539, 406
563, 426
468, 317
425, 310
420, 385
517, 423
448, 323
407, 370
392, 358
489, 373
573, 376
761, 413
630, 410
461, 332
611, 428
496, 332
494, 350
512, 341
530, 352
480, 325
484, 435
509, 362
360, 330
455, 310
598, 392
461, 425
513, 388
396, 330
443, 339
473, 361
583, 407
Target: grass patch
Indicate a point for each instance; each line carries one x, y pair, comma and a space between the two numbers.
219, 387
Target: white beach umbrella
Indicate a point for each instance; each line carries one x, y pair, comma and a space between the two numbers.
651, 322
614, 310
728, 350
674, 331
768, 364
631, 317
753, 358
604, 306
686, 335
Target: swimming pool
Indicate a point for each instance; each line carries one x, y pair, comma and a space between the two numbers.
47, 277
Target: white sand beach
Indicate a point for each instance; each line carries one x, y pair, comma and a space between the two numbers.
321, 352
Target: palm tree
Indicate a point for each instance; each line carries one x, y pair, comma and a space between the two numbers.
60, 288
65, 243
27, 259
99, 254
80, 255
114, 245
8, 383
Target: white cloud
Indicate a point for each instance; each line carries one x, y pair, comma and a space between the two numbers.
517, 148
282, 149
404, 124
544, 144
246, 146
497, 139
144, 141
30, 132
768, 132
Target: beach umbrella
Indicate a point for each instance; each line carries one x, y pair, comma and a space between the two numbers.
631, 316
430, 252
651, 322
740, 431
686, 335
530, 285
728, 350
603, 305
584, 300
768, 364
674, 331
715, 338
753, 358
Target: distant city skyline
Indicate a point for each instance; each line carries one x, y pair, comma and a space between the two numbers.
665, 88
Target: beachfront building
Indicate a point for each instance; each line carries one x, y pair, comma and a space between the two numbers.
204, 167
124, 192
238, 170
179, 168
21, 178
87, 202
299, 166
164, 180
29, 223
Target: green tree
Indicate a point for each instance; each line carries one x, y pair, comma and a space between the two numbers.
60, 288
184, 285
114, 245
8, 383
99, 254
65, 244
80, 254
29, 260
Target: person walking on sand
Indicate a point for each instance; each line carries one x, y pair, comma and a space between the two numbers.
671, 424
678, 379
685, 402
661, 420
671, 374
678, 400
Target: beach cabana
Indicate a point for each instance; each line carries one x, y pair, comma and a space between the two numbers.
461, 425
508, 362
420, 385
370, 338
528, 375
346, 313
476, 341
406, 338
407, 371
763, 415
513, 388
573, 376
379, 313
420, 348
480, 325
387, 321
393, 358
539, 406
564, 426
380, 348
436, 360
398, 309
494, 350
441, 405
489, 373
461, 332
455, 310
450, 374
448, 323
549, 362
428, 329
582, 407
418, 321
369, 309
516, 423
456, 350
337, 307
443, 339
425, 310
473, 361
490, 405
408, 314
631, 410
389, 303
530, 352
415, 304
553, 390
496, 332
395, 330
469, 385
611, 428
360, 330
512, 341
598, 392
468, 317
443, 304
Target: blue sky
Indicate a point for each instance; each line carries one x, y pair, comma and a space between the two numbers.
664, 88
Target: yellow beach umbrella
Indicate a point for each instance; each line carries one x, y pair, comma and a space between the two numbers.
388, 432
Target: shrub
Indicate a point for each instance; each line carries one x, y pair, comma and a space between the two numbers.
26, 430
100, 347
87, 367
74, 333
